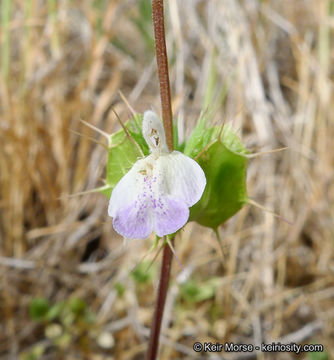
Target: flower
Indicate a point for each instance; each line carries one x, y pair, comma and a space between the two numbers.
156, 193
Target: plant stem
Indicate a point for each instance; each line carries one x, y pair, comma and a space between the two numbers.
162, 61
160, 304
167, 116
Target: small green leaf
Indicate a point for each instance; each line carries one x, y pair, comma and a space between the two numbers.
35, 353
200, 138
318, 355
123, 152
225, 165
89, 317
176, 145
55, 311
68, 318
64, 340
194, 292
77, 306
120, 288
143, 273
38, 308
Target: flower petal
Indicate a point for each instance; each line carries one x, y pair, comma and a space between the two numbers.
154, 133
133, 222
170, 217
129, 204
184, 178
155, 195
125, 191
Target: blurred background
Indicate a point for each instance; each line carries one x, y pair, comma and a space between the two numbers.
70, 287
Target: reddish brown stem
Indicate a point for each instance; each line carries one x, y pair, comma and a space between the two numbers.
166, 265
167, 116
162, 61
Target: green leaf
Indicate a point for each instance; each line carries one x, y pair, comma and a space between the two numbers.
38, 308
318, 355
143, 273
176, 145
89, 317
194, 292
120, 288
55, 311
35, 353
124, 152
225, 165
200, 138
76, 306
64, 340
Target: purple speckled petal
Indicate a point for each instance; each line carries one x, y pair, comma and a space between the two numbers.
169, 216
133, 222
155, 195
129, 205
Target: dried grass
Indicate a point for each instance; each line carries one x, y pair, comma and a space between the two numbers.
272, 60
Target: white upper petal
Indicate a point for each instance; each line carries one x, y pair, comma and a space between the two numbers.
183, 178
154, 133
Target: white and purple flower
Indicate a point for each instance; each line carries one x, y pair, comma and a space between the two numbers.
155, 195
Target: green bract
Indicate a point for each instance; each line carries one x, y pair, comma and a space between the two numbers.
221, 155
123, 152
219, 152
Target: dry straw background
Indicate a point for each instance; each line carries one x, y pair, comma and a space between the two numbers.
265, 66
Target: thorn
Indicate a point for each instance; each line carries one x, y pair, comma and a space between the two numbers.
251, 156
254, 203
91, 191
233, 119
143, 258
89, 138
106, 135
204, 149
127, 103
241, 108
221, 131
156, 255
173, 251
128, 134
